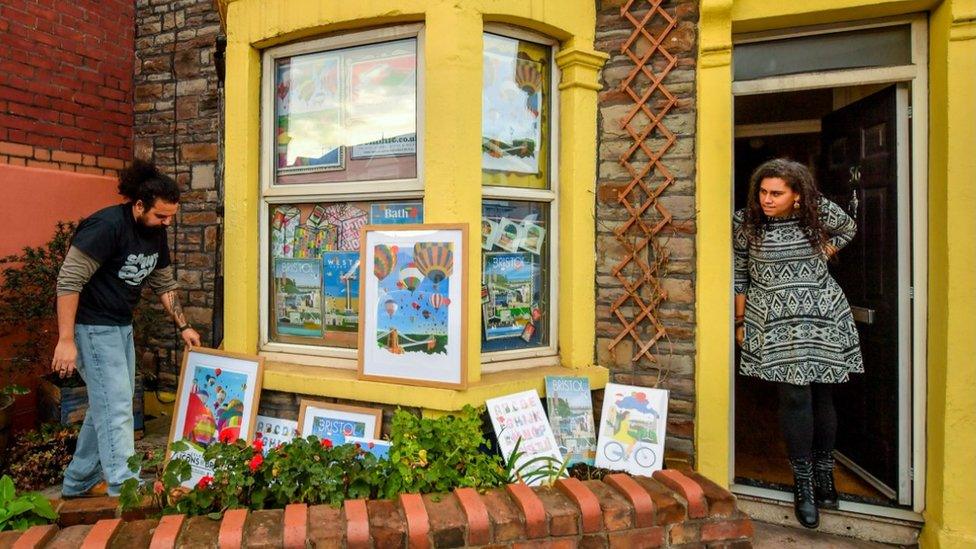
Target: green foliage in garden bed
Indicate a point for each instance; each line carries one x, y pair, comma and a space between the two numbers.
20, 512
426, 456
37, 459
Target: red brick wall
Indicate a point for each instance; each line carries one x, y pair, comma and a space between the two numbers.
66, 71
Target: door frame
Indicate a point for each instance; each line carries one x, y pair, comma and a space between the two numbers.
914, 301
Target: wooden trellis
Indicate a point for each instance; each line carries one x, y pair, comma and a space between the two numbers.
647, 216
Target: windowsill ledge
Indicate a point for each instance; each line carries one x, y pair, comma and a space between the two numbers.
342, 383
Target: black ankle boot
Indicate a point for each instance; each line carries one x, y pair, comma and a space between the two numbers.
823, 479
804, 505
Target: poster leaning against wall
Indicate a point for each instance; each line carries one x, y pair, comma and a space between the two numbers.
217, 401
413, 284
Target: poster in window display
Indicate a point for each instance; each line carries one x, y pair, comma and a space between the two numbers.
396, 213
510, 235
217, 401
512, 94
519, 419
413, 288
533, 237
382, 89
298, 297
274, 431
340, 287
308, 128
489, 234
632, 429
510, 279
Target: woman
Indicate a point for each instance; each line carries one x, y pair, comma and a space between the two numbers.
792, 320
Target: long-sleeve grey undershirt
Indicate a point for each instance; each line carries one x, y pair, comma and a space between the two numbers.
78, 268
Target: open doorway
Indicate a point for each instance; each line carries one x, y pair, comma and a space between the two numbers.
856, 140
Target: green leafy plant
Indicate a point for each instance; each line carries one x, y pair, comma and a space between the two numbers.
37, 459
23, 511
438, 454
28, 296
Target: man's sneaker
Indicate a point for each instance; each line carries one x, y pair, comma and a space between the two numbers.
96, 491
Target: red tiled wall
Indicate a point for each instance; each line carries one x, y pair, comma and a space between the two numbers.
66, 72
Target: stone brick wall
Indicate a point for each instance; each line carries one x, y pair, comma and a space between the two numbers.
674, 355
177, 125
66, 84
672, 509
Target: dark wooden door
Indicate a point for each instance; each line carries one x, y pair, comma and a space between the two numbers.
859, 170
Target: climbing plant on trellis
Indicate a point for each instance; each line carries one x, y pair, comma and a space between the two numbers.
641, 267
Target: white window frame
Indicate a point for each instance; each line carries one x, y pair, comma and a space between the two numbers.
547, 355
347, 191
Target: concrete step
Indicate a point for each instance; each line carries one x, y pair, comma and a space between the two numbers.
853, 526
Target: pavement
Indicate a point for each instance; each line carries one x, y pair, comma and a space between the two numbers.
769, 536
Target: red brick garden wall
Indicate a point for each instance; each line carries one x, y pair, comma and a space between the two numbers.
66, 84
672, 510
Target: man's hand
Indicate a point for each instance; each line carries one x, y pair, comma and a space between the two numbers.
190, 337
65, 358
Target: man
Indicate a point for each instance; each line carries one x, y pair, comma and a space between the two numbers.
113, 253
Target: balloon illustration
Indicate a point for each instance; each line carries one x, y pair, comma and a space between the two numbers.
391, 307
384, 260
218, 371
435, 260
437, 300
411, 277
426, 314
529, 79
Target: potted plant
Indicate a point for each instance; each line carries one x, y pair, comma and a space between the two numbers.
7, 397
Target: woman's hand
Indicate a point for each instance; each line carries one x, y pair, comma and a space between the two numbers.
740, 335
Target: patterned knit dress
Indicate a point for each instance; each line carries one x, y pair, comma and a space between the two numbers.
798, 324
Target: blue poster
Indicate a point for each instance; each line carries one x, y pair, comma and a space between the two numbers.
396, 213
340, 287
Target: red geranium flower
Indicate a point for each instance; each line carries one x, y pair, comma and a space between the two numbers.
256, 462
205, 482
227, 437
158, 487
326, 443
258, 445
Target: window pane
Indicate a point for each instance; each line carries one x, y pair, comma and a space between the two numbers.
315, 267
881, 47
515, 113
347, 115
515, 270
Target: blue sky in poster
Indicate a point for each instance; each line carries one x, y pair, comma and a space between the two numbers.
334, 266
414, 311
215, 387
574, 390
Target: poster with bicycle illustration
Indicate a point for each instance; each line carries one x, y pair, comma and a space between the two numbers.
632, 429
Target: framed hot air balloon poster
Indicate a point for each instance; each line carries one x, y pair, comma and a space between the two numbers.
413, 288
217, 400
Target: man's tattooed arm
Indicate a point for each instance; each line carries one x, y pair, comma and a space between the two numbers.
171, 302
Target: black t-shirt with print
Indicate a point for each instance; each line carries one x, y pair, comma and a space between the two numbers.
126, 253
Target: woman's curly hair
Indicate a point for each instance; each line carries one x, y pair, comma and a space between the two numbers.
800, 180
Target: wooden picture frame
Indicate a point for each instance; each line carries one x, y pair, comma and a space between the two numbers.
199, 418
418, 276
351, 415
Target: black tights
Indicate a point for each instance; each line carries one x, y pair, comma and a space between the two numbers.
808, 418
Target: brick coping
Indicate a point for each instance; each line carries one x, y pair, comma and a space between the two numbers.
671, 509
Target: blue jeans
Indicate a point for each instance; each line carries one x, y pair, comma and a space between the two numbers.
107, 363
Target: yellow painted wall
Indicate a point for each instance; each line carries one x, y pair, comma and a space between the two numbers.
950, 513
451, 107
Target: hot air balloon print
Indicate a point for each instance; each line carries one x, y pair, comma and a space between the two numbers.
411, 277
435, 260
390, 307
384, 260
528, 78
438, 301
